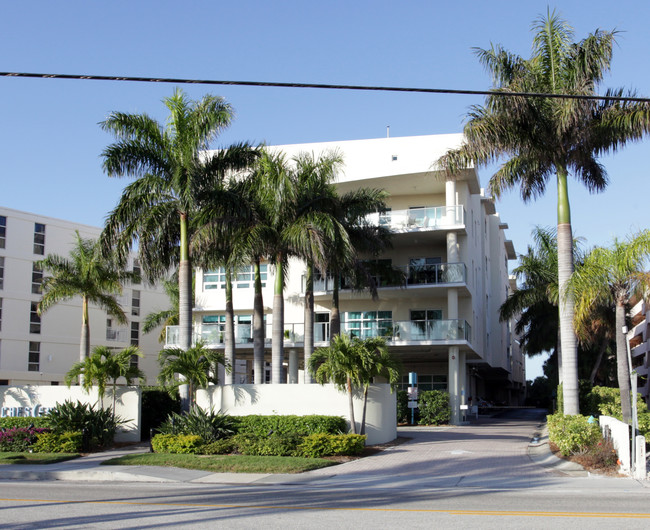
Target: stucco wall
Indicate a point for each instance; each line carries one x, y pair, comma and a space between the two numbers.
240, 400
32, 400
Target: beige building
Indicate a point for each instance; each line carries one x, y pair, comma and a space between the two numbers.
41, 349
442, 320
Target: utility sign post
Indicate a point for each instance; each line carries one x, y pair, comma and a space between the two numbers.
413, 395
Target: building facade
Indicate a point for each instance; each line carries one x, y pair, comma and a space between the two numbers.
41, 349
639, 340
442, 319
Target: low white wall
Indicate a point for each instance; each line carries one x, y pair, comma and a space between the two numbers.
619, 433
302, 400
33, 400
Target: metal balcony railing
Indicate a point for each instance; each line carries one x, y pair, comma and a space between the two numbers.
428, 217
394, 331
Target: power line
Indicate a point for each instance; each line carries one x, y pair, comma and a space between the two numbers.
181, 81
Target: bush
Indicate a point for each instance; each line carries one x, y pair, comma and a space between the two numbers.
64, 442
157, 406
607, 401
434, 407
273, 445
572, 434
224, 446
176, 443
262, 426
321, 444
210, 426
98, 426
41, 422
18, 439
403, 411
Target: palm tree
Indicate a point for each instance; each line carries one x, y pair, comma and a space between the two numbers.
173, 172
105, 366
613, 276
86, 273
541, 137
341, 364
197, 365
376, 361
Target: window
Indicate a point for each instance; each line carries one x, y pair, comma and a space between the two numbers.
135, 333
39, 239
137, 270
365, 324
426, 382
37, 279
243, 278
321, 327
134, 361
135, 303
214, 329
34, 319
34, 357
424, 270
3, 230
385, 217
2, 271
424, 323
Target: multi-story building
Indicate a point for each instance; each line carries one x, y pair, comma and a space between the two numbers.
639, 337
40, 349
442, 319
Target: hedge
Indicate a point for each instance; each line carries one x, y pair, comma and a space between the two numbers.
263, 426
434, 408
51, 442
176, 443
572, 434
10, 422
322, 444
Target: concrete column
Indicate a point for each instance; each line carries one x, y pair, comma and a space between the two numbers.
453, 384
293, 367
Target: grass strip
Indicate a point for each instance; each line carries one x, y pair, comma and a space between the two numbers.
10, 457
224, 463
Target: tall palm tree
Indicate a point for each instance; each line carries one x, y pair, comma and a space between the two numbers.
541, 137
105, 366
197, 365
613, 276
86, 273
173, 172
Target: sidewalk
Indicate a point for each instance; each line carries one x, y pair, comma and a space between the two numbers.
490, 453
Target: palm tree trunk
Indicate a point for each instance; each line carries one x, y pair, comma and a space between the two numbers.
362, 430
229, 353
335, 315
277, 345
184, 304
566, 302
258, 328
599, 360
309, 319
84, 342
622, 366
353, 424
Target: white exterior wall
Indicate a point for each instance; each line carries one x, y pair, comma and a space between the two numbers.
303, 400
60, 333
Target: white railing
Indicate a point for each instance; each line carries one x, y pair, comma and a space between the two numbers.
427, 217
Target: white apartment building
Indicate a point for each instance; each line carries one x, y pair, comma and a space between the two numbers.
442, 320
41, 349
639, 339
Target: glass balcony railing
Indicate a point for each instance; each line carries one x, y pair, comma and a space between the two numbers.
428, 217
440, 273
394, 331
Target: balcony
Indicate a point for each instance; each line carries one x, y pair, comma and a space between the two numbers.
412, 275
418, 219
392, 331
117, 335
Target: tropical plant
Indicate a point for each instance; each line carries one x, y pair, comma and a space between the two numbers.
544, 136
105, 366
210, 426
197, 366
98, 426
613, 276
86, 273
173, 174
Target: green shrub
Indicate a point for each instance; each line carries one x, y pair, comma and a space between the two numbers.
273, 445
607, 401
210, 426
403, 411
64, 442
434, 407
572, 434
262, 426
176, 443
157, 406
98, 426
12, 422
224, 446
322, 444
18, 439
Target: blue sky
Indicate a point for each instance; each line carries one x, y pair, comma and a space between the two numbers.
50, 142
